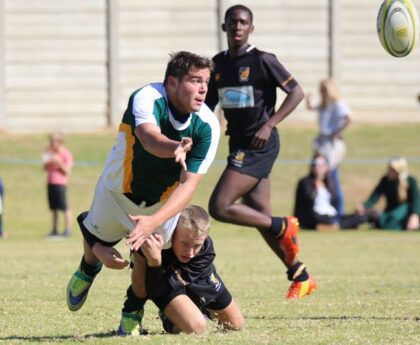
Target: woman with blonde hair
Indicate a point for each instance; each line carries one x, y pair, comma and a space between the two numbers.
402, 198
333, 117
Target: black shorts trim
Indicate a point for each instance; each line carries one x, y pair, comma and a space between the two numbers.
57, 199
207, 293
253, 162
88, 236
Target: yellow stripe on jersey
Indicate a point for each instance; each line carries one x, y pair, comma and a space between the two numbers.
287, 81
128, 157
166, 194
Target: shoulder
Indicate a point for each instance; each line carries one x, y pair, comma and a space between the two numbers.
268, 58
151, 91
412, 180
207, 118
208, 247
219, 57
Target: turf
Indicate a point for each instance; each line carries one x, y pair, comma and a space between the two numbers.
368, 280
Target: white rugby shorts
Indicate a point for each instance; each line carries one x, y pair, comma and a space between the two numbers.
108, 216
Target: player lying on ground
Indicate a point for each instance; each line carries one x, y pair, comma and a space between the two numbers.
182, 281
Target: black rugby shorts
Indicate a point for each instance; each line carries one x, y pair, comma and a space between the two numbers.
253, 162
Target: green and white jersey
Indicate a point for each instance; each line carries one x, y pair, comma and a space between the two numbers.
131, 169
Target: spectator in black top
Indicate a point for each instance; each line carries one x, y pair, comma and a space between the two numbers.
245, 82
316, 200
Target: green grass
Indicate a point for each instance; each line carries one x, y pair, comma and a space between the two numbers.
369, 285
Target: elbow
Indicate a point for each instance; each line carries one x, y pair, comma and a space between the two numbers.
298, 94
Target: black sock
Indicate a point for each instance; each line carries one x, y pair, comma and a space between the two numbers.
90, 270
278, 226
297, 272
132, 302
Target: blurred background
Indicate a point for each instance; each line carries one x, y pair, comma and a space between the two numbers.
71, 64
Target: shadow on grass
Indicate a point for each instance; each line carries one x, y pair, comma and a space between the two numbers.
38, 339
41, 338
337, 318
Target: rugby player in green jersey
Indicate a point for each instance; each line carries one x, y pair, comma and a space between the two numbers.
166, 142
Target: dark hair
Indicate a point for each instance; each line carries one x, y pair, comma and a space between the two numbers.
238, 7
327, 179
183, 62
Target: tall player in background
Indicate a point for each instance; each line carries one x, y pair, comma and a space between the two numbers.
244, 81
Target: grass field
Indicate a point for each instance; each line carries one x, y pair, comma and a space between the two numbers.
369, 285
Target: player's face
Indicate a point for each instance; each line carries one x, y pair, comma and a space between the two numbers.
320, 167
186, 244
238, 26
190, 92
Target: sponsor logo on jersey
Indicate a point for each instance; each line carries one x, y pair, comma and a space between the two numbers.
213, 280
244, 73
238, 159
236, 97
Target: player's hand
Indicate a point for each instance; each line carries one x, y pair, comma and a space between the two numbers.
145, 225
413, 222
260, 138
152, 250
181, 151
109, 256
360, 210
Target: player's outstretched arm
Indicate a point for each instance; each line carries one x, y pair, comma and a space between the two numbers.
159, 144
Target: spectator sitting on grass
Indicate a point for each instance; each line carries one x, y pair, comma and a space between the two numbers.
316, 200
402, 197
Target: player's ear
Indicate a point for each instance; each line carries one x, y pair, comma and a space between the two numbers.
171, 81
224, 27
252, 29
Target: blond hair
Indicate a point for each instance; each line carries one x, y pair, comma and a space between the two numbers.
332, 94
400, 166
57, 136
195, 218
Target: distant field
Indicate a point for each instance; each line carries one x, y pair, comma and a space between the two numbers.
369, 280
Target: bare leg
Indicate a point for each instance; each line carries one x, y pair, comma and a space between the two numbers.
138, 276
90, 257
54, 221
255, 211
231, 187
185, 315
68, 219
230, 318
259, 200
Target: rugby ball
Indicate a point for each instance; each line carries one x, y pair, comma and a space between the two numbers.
397, 26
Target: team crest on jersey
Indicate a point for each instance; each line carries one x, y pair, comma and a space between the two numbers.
216, 282
217, 77
238, 158
244, 73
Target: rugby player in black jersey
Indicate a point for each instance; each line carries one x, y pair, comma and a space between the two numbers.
244, 82
182, 281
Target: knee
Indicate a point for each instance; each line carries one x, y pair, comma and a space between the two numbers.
196, 326
217, 209
236, 324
